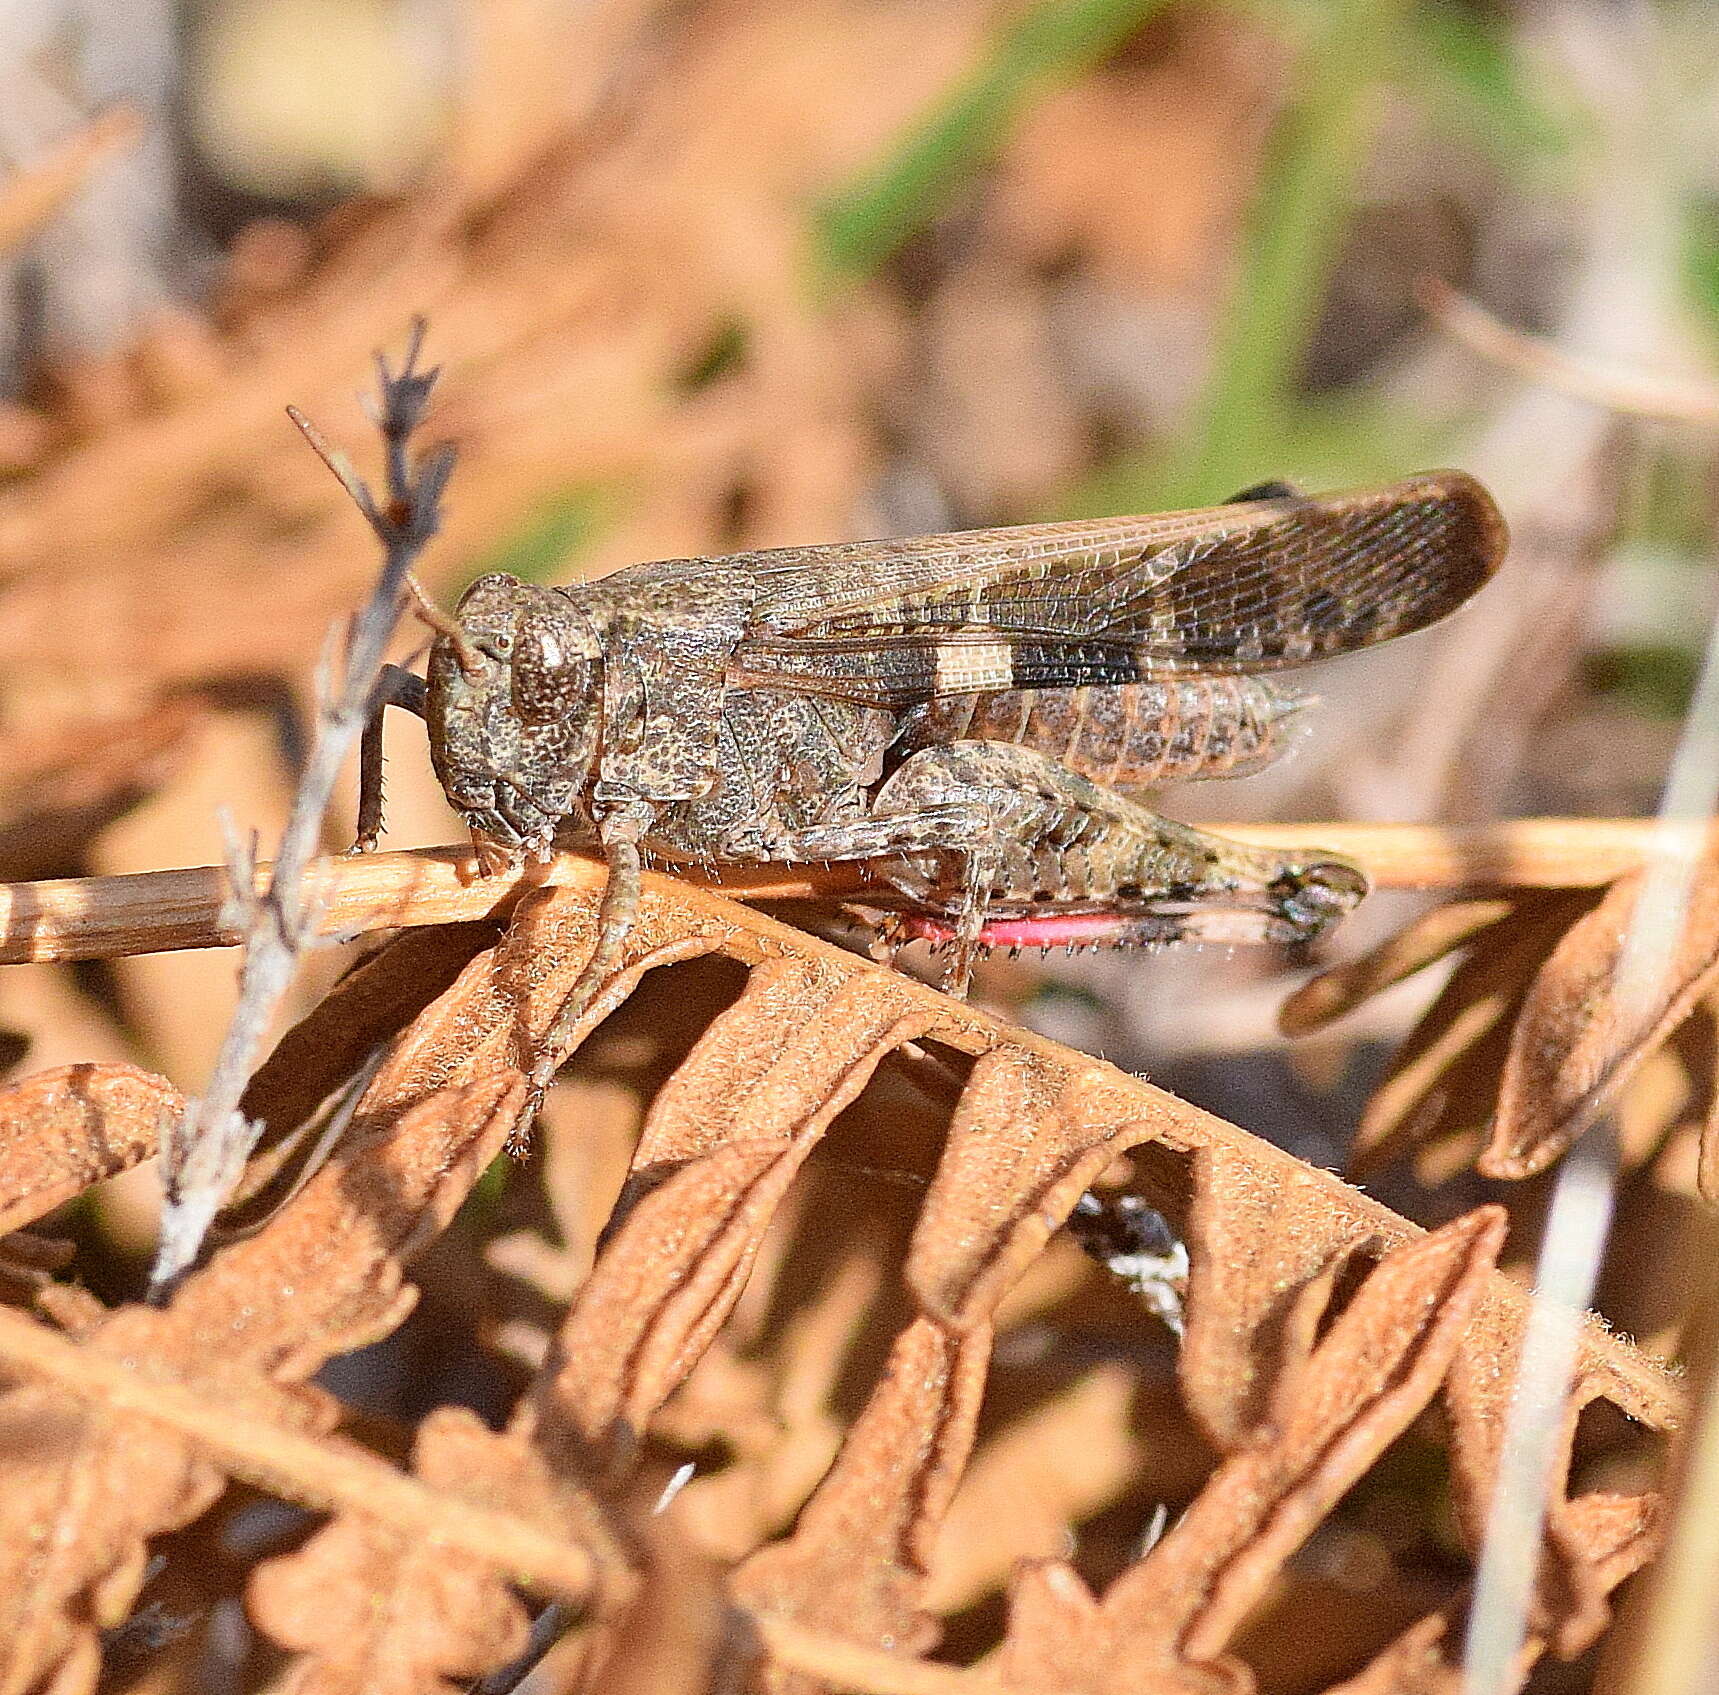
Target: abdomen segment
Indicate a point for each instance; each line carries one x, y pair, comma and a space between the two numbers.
1131, 735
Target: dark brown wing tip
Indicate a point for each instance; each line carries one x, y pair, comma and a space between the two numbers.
1480, 536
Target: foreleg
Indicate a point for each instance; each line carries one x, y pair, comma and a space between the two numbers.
395, 687
618, 835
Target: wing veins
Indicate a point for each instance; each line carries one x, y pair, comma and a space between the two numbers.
1252, 587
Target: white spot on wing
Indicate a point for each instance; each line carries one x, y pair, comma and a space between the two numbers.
966, 667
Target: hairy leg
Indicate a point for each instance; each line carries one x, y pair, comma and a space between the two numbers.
998, 845
395, 687
619, 835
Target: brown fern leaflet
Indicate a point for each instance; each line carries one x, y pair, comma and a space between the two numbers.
1320, 1327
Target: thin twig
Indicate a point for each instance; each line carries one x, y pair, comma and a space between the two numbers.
202, 1163
1616, 388
159, 911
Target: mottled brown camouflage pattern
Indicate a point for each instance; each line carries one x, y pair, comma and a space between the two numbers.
962, 709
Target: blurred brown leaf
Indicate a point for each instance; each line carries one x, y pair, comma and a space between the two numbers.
58, 790
1339, 989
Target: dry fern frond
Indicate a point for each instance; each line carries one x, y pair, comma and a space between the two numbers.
62, 1131
89, 1483
1336, 1407
1319, 1326
372, 1607
1578, 1042
1528, 1033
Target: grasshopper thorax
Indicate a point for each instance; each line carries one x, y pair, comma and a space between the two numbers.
515, 709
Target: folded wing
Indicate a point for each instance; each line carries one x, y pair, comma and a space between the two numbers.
1257, 585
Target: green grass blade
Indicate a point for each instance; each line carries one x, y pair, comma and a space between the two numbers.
1700, 262
1293, 241
1250, 426
1470, 78
1052, 43
549, 537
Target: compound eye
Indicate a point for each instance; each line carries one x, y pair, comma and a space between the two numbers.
552, 680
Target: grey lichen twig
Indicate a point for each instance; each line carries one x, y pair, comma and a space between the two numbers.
203, 1159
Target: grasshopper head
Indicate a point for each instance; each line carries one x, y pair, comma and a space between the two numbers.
514, 720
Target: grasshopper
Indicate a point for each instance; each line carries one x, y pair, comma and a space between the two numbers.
973, 714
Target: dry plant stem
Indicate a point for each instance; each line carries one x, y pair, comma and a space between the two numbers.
32, 196
1668, 1643
157, 911
1580, 1218
1615, 388
335, 1477
848, 1665
281, 922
